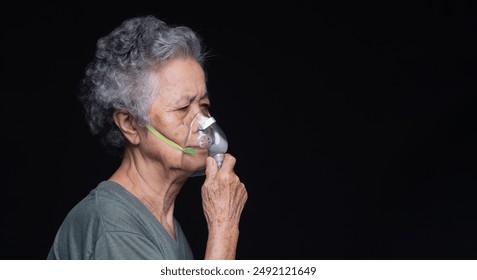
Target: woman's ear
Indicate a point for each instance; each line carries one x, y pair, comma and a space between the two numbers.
128, 125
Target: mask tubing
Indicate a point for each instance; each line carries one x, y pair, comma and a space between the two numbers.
169, 142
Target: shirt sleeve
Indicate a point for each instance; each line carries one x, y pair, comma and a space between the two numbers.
125, 246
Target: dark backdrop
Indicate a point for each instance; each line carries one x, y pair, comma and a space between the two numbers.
353, 124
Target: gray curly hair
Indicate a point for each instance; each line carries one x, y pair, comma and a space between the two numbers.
120, 75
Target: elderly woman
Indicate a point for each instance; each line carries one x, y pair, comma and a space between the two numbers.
145, 96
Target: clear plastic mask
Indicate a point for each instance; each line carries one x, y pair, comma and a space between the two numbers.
211, 136
204, 133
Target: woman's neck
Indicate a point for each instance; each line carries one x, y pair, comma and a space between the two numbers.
156, 189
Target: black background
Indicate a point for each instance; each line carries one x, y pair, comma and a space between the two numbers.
353, 124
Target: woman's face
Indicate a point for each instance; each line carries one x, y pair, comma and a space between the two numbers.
182, 97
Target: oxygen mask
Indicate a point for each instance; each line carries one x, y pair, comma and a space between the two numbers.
204, 133
211, 137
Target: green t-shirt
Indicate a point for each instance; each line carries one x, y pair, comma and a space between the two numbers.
111, 223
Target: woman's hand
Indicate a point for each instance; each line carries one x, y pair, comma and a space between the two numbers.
223, 199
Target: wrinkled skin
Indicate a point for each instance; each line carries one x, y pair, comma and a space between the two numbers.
223, 199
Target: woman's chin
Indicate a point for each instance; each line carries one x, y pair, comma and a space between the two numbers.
195, 163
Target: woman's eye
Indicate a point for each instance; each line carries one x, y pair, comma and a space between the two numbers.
205, 109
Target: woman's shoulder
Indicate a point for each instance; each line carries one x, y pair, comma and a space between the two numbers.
108, 204
111, 200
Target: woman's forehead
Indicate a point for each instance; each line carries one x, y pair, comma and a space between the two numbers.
174, 98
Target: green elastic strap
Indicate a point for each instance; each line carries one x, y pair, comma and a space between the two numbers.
168, 141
